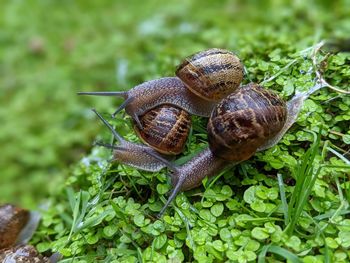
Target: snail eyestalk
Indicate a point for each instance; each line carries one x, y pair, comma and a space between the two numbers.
110, 146
123, 94
115, 134
122, 106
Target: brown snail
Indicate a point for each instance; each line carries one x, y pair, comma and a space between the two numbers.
17, 226
203, 79
12, 221
246, 121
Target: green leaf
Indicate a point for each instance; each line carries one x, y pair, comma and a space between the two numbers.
109, 231
346, 138
139, 220
252, 245
92, 239
331, 243
217, 209
160, 241
249, 195
218, 245
344, 239
294, 242
162, 188
43, 246
225, 234
226, 191
261, 192
258, 206
206, 215
259, 233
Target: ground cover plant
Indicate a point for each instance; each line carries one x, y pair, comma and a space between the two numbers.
288, 202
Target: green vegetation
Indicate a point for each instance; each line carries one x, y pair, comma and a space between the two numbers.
288, 202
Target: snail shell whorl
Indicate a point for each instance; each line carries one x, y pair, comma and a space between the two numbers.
211, 74
244, 121
165, 128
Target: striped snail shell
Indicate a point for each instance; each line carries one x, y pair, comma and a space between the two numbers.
244, 121
165, 129
211, 74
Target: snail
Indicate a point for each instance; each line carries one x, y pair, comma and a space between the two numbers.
202, 80
249, 120
17, 226
12, 221
165, 130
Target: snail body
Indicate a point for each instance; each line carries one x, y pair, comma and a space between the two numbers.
219, 72
150, 94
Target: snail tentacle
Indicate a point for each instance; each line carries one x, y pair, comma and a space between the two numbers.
123, 94
123, 105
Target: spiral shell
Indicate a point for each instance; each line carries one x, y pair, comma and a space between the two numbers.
244, 121
12, 220
211, 74
165, 129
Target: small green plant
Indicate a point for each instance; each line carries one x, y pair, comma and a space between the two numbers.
305, 175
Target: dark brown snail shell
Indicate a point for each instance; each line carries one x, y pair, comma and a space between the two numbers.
165, 129
244, 121
12, 220
211, 74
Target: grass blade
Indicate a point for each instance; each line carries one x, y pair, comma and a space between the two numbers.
263, 252
283, 198
284, 253
305, 175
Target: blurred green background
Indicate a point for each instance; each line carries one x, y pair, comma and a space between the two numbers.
50, 49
